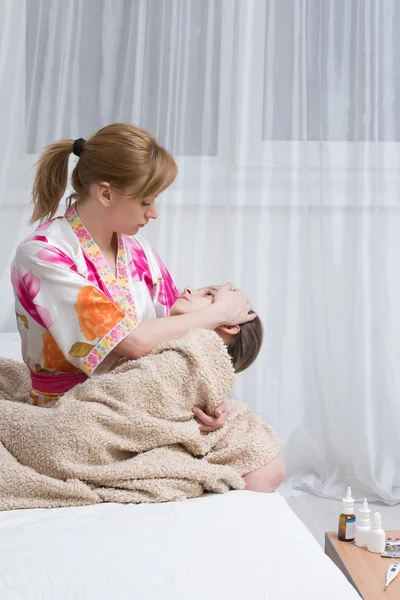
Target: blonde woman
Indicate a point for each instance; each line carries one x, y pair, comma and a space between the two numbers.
87, 288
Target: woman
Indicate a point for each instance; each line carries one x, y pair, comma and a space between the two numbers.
87, 292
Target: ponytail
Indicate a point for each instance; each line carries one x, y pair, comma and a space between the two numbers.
51, 180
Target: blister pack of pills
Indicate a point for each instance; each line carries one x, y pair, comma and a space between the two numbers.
392, 548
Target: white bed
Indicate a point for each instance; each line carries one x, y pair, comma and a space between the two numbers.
241, 545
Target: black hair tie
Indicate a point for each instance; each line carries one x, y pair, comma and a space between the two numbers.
77, 147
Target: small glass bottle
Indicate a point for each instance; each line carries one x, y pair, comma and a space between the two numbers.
347, 520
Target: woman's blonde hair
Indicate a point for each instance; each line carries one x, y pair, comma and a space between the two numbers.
119, 154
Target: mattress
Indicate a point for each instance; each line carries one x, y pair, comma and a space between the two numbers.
240, 545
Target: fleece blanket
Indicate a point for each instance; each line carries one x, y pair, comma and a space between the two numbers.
130, 436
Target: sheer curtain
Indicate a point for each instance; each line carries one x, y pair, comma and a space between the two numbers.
284, 116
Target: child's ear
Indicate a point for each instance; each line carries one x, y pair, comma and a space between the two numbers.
229, 329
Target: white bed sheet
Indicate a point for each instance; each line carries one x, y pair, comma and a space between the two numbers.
240, 545
233, 546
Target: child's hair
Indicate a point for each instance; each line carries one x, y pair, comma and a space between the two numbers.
246, 345
119, 154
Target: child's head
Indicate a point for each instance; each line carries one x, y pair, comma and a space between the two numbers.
243, 341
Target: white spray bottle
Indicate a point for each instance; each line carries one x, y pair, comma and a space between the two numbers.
376, 537
363, 525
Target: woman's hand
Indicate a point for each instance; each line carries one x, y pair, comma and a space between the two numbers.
209, 424
234, 305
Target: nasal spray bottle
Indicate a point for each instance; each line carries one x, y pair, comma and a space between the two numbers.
347, 520
363, 525
376, 537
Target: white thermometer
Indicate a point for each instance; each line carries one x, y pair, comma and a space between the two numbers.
392, 572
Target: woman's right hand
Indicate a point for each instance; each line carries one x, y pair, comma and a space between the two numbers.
234, 305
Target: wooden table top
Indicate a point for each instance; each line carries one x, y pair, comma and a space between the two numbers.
365, 570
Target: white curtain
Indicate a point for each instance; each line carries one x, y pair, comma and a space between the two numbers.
284, 116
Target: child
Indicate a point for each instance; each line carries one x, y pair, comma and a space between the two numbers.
243, 341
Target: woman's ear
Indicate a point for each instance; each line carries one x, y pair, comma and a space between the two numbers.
103, 194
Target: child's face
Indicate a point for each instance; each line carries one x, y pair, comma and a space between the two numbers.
193, 300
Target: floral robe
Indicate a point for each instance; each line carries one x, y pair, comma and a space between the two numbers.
72, 311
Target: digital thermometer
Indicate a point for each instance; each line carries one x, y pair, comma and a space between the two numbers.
392, 572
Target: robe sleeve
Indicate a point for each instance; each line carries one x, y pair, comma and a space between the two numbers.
81, 324
165, 292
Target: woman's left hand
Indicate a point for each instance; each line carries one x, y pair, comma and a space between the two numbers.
209, 424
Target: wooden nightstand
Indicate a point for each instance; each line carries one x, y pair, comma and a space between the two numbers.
365, 571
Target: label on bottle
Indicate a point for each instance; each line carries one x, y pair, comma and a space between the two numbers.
350, 529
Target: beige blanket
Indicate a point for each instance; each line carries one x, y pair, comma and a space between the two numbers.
129, 435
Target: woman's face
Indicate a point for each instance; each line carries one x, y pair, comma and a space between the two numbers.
122, 211
191, 300
129, 215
